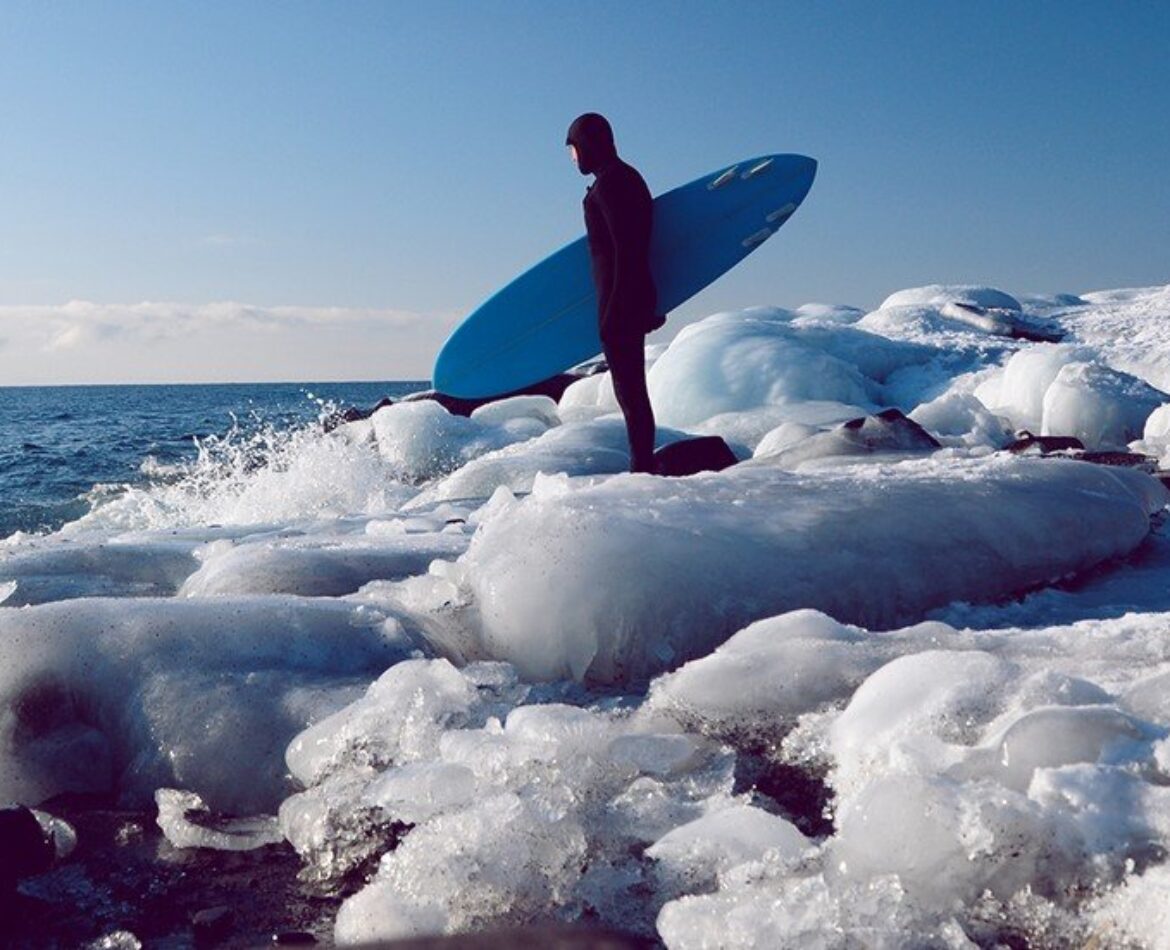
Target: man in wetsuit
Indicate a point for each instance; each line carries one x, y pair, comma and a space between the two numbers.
618, 217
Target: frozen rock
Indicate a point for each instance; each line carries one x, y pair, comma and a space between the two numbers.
187, 822
888, 432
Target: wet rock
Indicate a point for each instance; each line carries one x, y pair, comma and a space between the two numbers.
1026, 442
1003, 321
690, 456
26, 846
554, 387
523, 938
211, 924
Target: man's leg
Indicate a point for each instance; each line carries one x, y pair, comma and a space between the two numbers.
627, 367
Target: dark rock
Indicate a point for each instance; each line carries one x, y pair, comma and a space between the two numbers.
1043, 444
891, 429
690, 456
1121, 460
352, 414
211, 924
25, 848
294, 938
1004, 321
554, 387
550, 937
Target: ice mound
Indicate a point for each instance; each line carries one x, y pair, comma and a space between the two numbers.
40, 570
315, 567
575, 448
1102, 407
1059, 390
593, 395
684, 563
748, 360
953, 317
939, 295
958, 418
768, 674
1155, 438
1128, 329
126, 696
888, 432
421, 440
694, 855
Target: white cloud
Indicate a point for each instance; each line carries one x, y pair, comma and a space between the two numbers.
86, 342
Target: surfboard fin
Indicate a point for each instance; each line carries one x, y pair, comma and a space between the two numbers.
725, 178
781, 214
758, 238
758, 169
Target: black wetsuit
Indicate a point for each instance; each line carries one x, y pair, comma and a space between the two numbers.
618, 220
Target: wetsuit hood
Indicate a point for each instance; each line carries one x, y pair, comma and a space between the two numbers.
592, 135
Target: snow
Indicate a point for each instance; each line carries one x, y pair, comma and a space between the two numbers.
859, 689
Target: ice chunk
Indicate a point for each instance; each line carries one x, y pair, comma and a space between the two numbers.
576, 448
1046, 738
399, 719
499, 859
541, 408
912, 708
772, 670
959, 418
1018, 393
421, 440
1104, 408
698, 852
316, 567
420, 790
187, 822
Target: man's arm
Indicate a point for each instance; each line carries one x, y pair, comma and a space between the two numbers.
626, 210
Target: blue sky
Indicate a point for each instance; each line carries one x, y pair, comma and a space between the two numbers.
363, 159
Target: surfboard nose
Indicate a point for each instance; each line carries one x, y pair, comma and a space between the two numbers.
804, 170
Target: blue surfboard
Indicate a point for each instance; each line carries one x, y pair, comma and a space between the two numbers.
545, 321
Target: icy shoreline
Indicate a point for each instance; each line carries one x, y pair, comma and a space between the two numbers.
517, 686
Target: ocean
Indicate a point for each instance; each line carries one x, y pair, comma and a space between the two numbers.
62, 447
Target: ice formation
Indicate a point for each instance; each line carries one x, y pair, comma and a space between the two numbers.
859, 689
